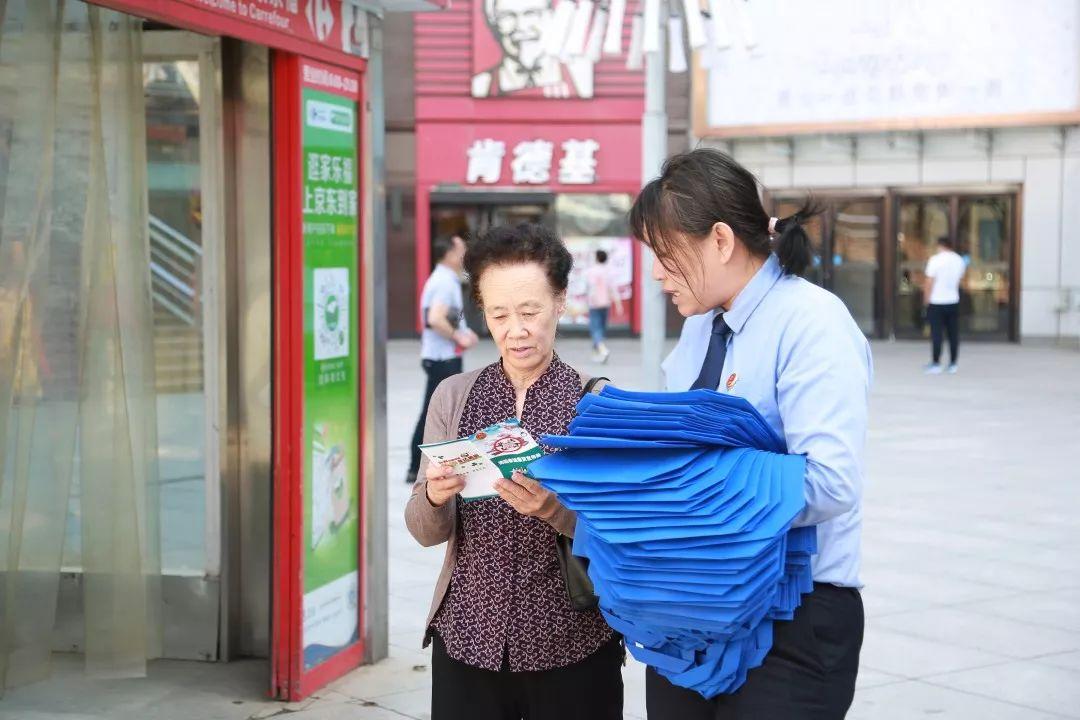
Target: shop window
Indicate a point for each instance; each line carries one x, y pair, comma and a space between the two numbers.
589, 223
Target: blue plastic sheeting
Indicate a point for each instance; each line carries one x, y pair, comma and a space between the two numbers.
685, 503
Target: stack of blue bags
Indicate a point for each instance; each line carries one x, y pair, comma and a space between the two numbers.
685, 503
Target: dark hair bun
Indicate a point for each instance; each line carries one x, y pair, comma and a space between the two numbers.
792, 243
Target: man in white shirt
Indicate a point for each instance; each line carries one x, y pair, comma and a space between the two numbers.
944, 273
446, 336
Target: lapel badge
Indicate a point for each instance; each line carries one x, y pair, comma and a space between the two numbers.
732, 379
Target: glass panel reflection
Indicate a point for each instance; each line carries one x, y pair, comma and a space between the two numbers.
984, 240
921, 222
856, 239
174, 176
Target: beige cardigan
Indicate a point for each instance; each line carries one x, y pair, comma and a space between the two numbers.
432, 525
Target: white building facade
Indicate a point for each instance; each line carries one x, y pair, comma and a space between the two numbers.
905, 131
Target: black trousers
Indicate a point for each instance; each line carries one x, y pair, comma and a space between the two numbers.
437, 371
808, 675
944, 320
588, 690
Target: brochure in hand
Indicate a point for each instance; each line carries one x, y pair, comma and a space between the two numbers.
493, 453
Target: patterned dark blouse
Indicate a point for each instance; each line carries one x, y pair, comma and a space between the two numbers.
507, 598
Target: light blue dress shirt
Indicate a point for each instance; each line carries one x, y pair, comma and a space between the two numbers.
796, 355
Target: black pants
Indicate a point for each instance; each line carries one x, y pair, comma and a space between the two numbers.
588, 690
945, 319
808, 675
437, 371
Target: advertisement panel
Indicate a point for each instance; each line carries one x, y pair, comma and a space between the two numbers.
331, 384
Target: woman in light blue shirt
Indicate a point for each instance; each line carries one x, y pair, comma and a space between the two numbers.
755, 329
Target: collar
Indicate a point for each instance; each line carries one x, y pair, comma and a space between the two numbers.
555, 367
440, 268
747, 301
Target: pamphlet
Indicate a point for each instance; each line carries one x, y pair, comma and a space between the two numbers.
493, 453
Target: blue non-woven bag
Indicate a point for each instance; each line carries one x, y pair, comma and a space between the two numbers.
685, 505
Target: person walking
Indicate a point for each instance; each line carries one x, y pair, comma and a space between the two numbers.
755, 329
446, 336
603, 295
944, 272
508, 642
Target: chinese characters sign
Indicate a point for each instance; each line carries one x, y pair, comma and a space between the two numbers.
331, 421
532, 162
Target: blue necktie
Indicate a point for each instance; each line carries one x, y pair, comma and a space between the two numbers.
713, 367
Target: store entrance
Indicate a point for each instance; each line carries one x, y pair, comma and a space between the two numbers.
981, 227
471, 216
881, 279
172, 167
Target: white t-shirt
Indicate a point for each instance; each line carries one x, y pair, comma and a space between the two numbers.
442, 288
946, 269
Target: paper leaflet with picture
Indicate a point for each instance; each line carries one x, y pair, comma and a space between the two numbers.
493, 453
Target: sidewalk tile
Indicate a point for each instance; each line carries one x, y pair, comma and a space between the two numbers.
1059, 609
965, 628
915, 699
1052, 690
898, 653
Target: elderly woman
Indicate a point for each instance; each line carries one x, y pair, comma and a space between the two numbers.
507, 642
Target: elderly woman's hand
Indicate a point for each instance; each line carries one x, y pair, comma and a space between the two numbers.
527, 497
442, 484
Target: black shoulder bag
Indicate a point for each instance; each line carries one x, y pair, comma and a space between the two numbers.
575, 570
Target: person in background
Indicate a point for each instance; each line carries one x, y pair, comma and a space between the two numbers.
603, 294
944, 273
446, 336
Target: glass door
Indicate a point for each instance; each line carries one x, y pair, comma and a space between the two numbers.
984, 239
981, 229
855, 243
921, 221
183, 148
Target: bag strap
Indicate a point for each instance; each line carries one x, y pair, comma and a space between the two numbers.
591, 385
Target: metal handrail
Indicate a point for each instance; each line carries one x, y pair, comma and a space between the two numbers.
173, 257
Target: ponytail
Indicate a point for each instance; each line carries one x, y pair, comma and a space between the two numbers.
791, 242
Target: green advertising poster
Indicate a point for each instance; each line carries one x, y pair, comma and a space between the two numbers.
331, 369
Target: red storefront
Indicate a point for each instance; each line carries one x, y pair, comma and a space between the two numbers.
234, 142
510, 128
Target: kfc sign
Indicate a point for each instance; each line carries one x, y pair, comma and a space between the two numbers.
522, 48
532, 162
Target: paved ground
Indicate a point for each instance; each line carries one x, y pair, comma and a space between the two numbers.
972, 560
